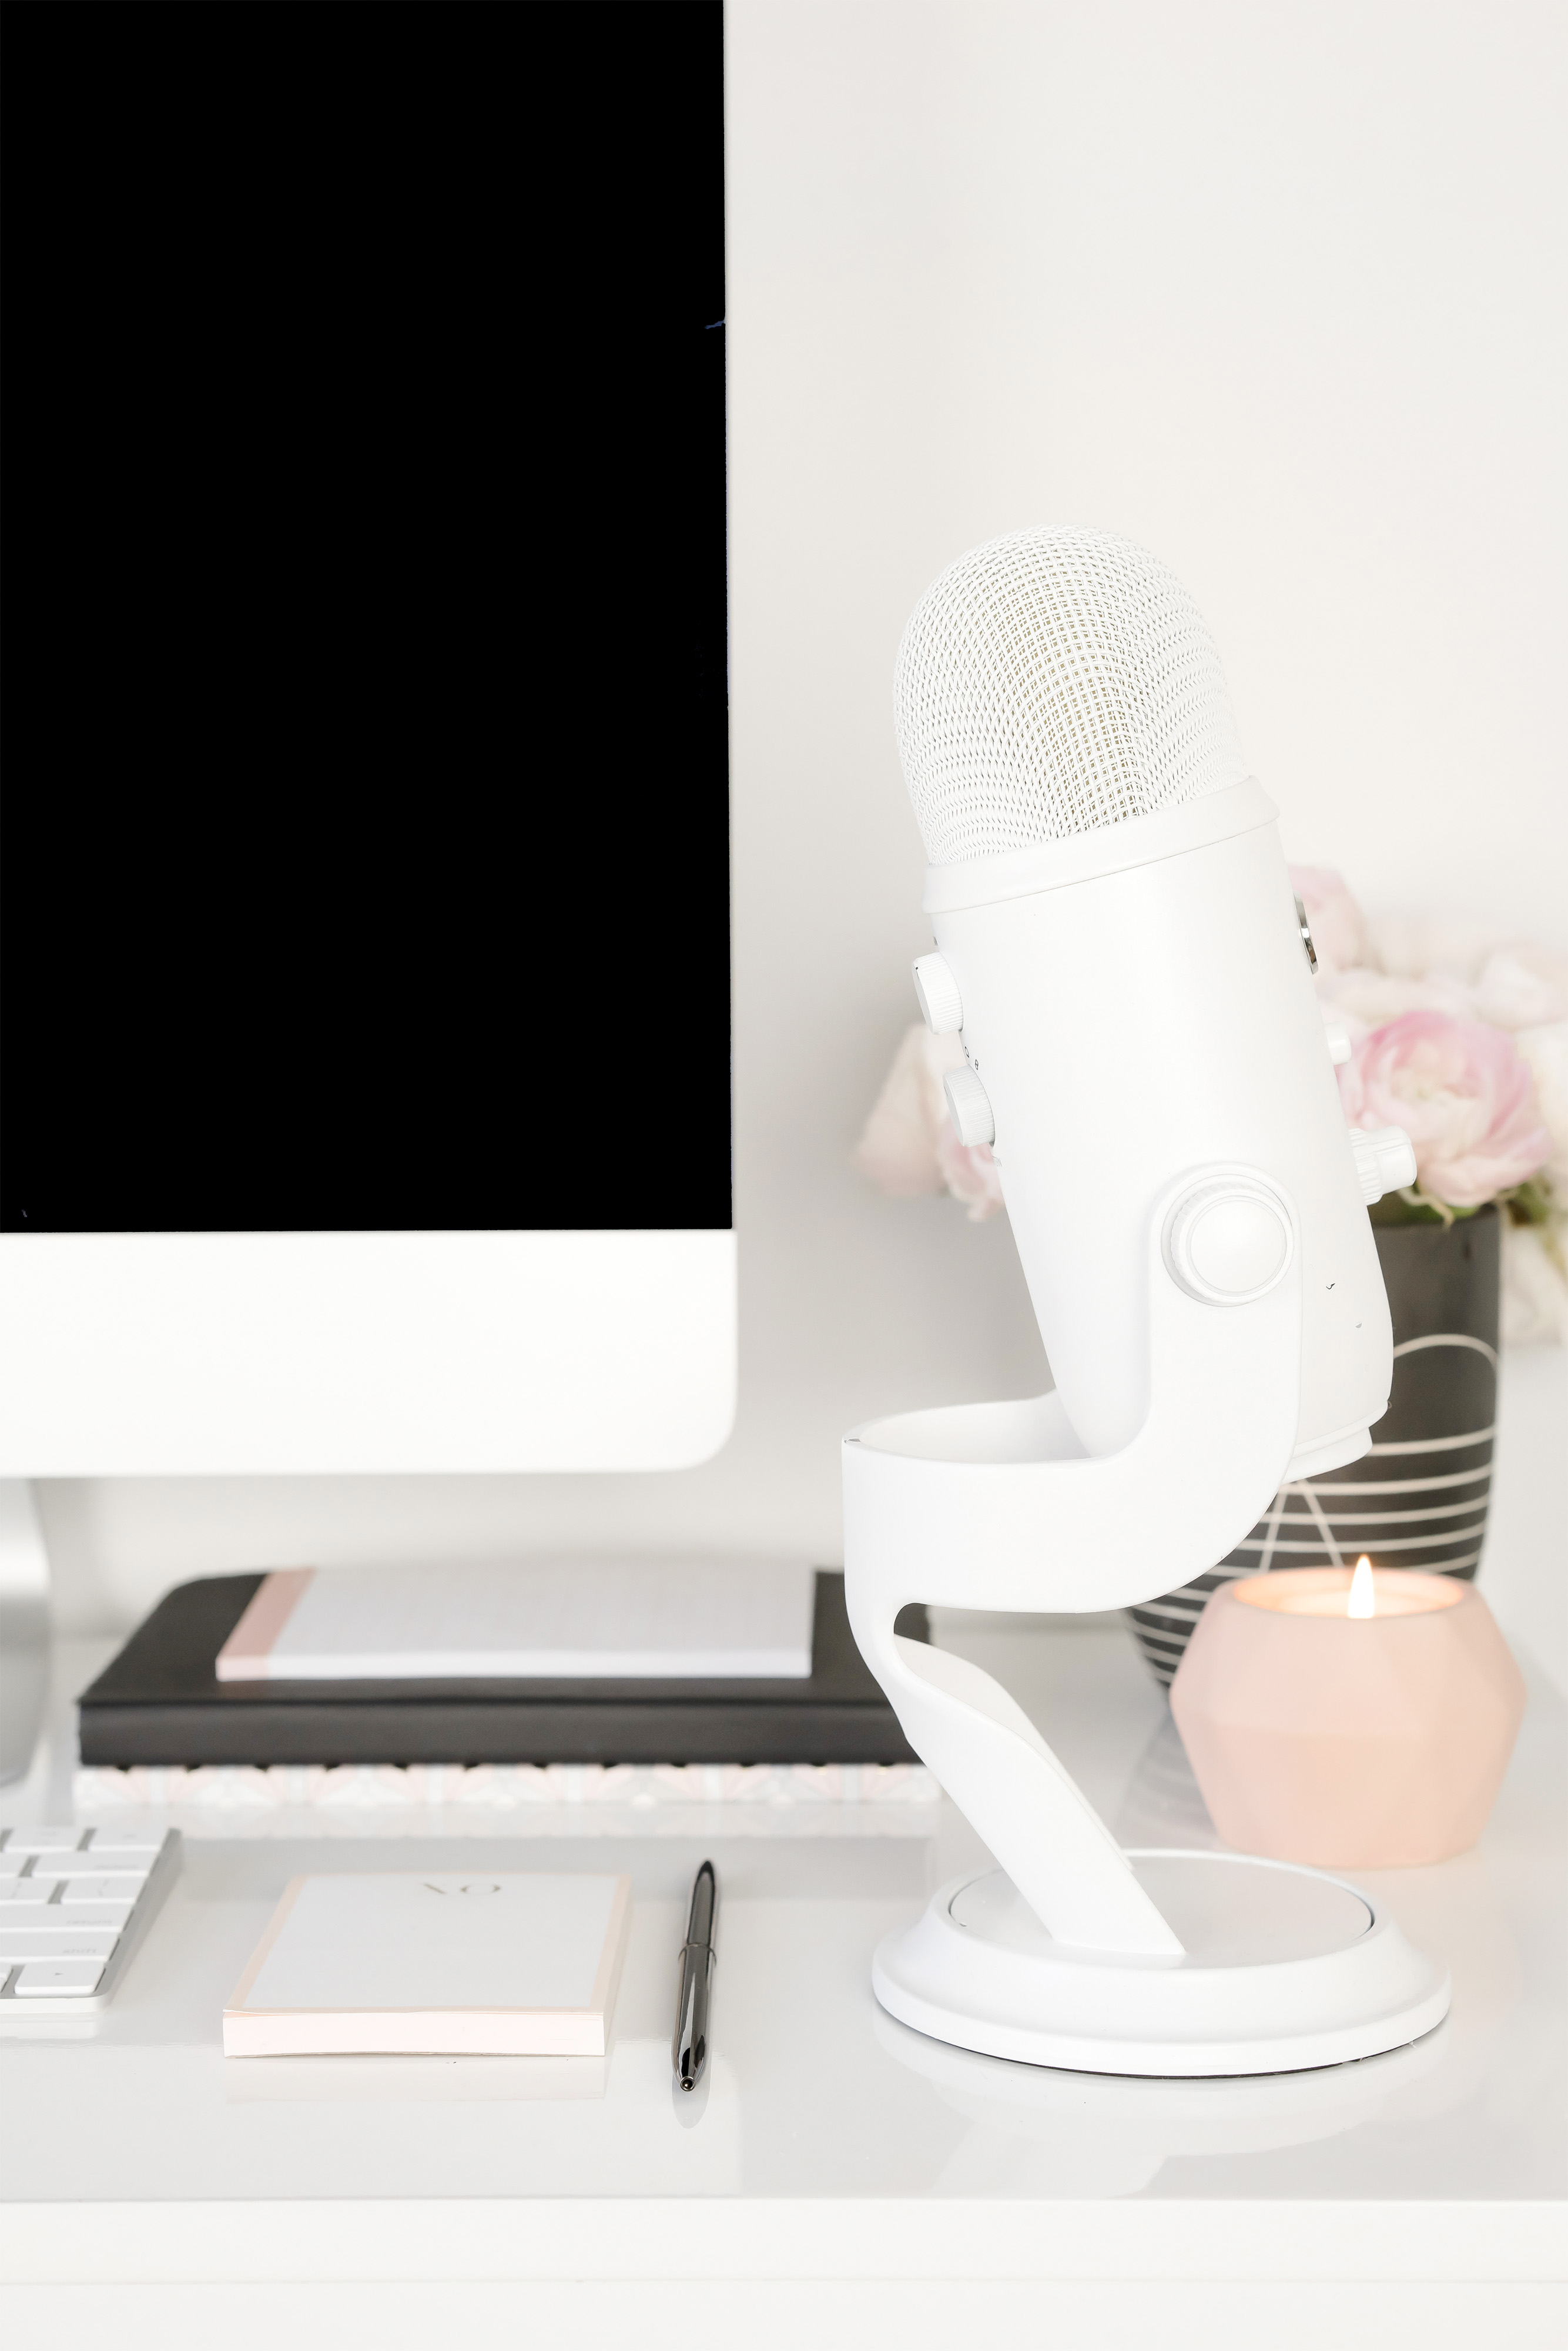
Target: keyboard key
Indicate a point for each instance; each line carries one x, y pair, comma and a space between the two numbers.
126, 1841
14, 1947
75, 1867
92, 1918
42, 1977
70, 1900
119, 1888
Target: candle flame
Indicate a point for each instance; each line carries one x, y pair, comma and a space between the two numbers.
1363, 1595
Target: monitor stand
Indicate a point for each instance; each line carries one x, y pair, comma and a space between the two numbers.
24, 1628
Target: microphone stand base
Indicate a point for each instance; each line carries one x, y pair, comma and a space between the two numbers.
1283, 1968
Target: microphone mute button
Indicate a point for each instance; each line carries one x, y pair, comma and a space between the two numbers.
1337, 1036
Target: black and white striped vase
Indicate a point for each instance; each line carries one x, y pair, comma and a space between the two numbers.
1419, 1498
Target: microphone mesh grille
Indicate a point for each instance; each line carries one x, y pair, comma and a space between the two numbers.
1051, 683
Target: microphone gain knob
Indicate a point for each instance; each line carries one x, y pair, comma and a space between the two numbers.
970, 1105
1227, 1239
936, 990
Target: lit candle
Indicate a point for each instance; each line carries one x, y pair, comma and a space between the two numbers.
1353, 1721
1337, 1592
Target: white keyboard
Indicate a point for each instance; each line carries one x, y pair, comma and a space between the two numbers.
74, 1904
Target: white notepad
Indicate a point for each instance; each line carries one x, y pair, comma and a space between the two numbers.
459, 1964
577, 1619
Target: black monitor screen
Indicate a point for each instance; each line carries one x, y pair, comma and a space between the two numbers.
365, 819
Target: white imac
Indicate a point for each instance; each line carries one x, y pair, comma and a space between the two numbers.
364, 1076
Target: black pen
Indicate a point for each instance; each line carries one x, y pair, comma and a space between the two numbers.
689, 2048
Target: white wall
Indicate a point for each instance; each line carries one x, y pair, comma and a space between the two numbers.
1276, 290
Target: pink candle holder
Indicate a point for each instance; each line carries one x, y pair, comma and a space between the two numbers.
1359, 1723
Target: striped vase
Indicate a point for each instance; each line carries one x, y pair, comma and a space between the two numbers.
1419, 1498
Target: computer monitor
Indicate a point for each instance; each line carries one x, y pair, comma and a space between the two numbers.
364, 1069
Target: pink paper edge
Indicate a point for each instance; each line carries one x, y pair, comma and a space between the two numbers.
246, 1654
414, 2032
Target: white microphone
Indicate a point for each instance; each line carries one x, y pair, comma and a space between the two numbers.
1120, 949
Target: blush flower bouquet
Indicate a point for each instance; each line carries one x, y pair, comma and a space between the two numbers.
1459, 1036
910, 1147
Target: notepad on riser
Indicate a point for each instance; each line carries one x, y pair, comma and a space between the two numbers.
535, 1620
503, 1963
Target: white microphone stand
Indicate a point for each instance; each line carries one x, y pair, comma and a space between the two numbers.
1073, 1953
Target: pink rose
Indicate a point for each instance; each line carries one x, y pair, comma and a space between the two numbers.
1430, 946
1523, 986
898, 1149
1338, 934
1370, 1000
1546, 1050
910, 1147
1464, 1095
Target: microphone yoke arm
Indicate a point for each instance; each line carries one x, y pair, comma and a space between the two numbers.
996, 1506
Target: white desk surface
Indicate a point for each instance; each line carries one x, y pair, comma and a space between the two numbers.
833, 2143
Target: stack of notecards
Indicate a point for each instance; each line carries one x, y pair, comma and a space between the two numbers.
465, 1964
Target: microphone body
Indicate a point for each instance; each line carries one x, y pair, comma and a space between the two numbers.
1119, 949
1135, 1003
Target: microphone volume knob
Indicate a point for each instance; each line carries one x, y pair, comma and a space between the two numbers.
941, 1006
1385, 1160
970, 1106
1228, 1240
